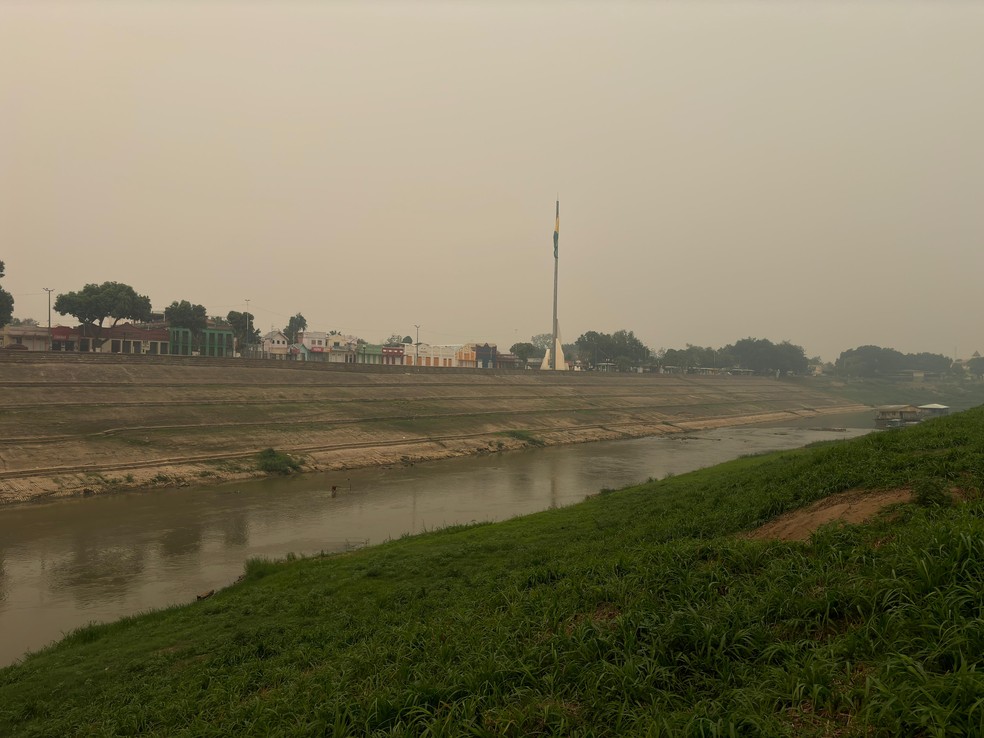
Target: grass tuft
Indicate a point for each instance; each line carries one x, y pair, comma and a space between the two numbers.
276, 462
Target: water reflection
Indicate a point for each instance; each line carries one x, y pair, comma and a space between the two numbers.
68, 563
235, 530
181, 541
96, 573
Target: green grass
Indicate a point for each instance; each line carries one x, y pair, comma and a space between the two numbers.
524, 436
638, 612
276, 462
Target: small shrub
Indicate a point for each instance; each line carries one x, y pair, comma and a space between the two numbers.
276, 462
129, 478
931, 492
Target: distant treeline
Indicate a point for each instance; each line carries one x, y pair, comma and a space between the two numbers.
624, 350
756, 354
760, 355
875, 361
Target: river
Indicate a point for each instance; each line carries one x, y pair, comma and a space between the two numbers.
68, 563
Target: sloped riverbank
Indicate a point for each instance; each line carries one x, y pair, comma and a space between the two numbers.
83, 425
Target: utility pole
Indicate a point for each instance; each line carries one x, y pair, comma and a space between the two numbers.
49, 291
416, 347
246, 336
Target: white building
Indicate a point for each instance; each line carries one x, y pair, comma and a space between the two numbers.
342, 349
316, 342
276, 345
425, 354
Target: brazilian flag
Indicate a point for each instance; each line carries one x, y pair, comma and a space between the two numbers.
557, 232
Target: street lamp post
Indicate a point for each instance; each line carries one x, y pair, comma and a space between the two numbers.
416, 348
246, 334
49, 291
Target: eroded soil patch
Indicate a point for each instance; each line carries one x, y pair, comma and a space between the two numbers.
853, 506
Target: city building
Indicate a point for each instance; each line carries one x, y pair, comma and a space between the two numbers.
276, 345
24, 338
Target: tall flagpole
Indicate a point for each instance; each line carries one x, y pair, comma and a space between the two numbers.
553, 343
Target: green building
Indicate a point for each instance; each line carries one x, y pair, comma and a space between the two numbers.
211, 342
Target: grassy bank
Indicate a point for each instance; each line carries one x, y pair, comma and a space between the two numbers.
639, 612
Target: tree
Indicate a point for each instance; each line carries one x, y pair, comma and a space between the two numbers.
593, 347
629, 348
543, 342
239, 322
6, 302
524, 351
407, 340
928, 362
693, 357
761, 355
24, 322
621, 348
868, 361
296, 324
94, 303
976, 366
875, 361
185, 315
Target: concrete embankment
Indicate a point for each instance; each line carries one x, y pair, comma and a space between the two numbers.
78, 425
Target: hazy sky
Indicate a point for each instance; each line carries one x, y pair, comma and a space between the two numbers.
811, 171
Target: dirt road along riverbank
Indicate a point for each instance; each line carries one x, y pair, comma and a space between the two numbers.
82, 425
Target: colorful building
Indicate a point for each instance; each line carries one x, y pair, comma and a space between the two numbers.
393, 355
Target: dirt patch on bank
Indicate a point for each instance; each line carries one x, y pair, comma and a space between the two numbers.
853, 506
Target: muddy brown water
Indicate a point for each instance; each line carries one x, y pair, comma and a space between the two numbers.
68, 563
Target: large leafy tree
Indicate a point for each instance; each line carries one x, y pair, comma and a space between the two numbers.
185, 315
294, 325
6, 302
525, 350
94, 304
239, 322
621, 347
